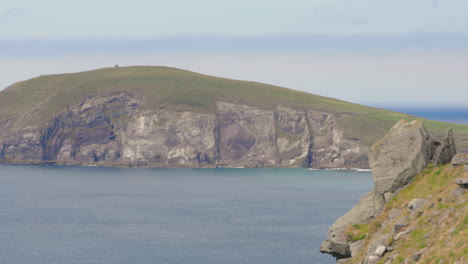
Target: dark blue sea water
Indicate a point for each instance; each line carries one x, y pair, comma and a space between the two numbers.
171, 216
455, 114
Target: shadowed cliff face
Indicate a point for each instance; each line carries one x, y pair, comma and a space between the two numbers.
112, 129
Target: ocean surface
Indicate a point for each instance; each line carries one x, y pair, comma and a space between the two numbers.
171, 216
177, 216
456, 114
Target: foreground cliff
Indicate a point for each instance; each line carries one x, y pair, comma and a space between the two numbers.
156, 116
417, 211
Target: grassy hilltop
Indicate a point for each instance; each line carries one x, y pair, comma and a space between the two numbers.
36, 100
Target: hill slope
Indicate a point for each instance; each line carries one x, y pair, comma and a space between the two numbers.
110, 115
415, 212
434, 232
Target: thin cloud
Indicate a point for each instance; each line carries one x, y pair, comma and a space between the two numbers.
15, 12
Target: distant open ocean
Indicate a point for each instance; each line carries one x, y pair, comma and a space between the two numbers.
455, 114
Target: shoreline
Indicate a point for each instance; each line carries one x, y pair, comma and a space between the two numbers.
162, 166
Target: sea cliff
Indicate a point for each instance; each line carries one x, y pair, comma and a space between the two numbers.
417, 210
166, 117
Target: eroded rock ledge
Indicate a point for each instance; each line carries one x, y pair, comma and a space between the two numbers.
395, 160
114, 130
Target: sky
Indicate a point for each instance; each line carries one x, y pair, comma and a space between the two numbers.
364, 51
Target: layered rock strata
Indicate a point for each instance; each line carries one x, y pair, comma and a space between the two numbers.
114, 130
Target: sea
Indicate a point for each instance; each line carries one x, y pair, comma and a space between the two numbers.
445, 113
72, 214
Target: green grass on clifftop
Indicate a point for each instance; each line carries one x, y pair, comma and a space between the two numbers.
36, 100
441, 227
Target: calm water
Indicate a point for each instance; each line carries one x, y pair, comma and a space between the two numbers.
453, 115
174, 216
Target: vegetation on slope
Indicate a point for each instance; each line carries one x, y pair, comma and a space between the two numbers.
37, 99
440, 227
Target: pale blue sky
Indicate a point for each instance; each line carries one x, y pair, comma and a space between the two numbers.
153, 18
365, 51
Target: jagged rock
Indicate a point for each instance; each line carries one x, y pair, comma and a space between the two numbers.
336, 249
417, 256
403, 233
116, 129
292, 136
330, 146
395, 160
416, 204
343, 261
392, 170
400, 224
380, 250
381, 239
365, 210
356, 247
462, 182
459, 160
389, 195
371, 259
394, 213
445, 150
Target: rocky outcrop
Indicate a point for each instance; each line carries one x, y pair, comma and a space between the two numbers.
113, 129
462, 182
460, 160
365, 210
445, 150
401, 154
395, 160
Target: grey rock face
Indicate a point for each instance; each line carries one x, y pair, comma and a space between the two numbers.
445, 150
330, 148
114, 130
246, 135
395, 160
417, 256
400, 224
400, 155
380, 250
462, 182
365, 210
169, 138
24, 145
293, 138
459, 160
336, 249
417, 204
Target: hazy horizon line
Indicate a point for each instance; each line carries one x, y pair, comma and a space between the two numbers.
446, 42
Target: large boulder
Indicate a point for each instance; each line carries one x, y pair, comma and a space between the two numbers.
400, 155
445, 150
